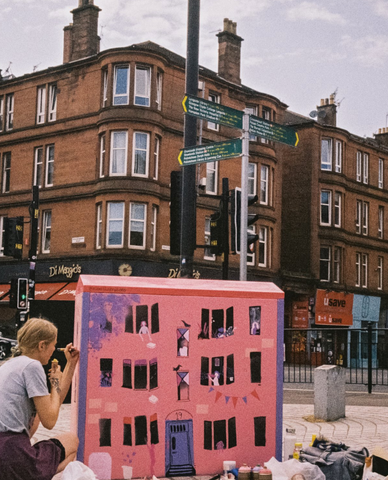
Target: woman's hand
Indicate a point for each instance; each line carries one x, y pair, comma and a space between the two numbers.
71, 354
55, 375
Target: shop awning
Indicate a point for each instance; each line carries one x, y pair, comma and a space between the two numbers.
44, 291
66, 293
4, 289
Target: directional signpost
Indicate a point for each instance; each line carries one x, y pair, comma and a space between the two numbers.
273, 131
211, 152
249, 124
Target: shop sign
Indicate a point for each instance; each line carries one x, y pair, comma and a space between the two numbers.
300, 314
176, 273
57, 270
333, 308
366, 308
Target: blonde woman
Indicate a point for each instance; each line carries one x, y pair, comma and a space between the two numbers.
25, 401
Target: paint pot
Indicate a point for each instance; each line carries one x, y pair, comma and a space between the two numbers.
244, 472
228, 465
127, 472
256, 472
265, 474
289, 443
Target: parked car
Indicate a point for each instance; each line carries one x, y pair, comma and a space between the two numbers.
5, 346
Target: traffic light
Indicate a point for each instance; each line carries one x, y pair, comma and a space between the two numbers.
13, 237
216, 233
236, 220
175, 212
22, 295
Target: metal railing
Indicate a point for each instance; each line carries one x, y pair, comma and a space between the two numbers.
363, 352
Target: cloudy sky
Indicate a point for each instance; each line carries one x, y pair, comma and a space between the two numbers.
297, 50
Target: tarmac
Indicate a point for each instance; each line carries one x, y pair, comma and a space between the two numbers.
365, 423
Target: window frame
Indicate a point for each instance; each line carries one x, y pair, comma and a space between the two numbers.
113, 153
365, 169
52, 103
136, 149
102, 155
99, 239
252, 110
41, 105
380, 272
338, 156
110, 219
380, 220
365, 218
49, 165
364, 270
358, 166
337, 265
6, 172
207, 255
213, 176
159, 90
327, 165
157, 142
105, 86
2, 235
146, 95
264, 185
326, 207
118, 97
2, 113
38, 166
358, 269
263, 246
337, 209
46, 231
153, 229
9, 105
215, 98
327, 262
136, 220
380, 182
252, 178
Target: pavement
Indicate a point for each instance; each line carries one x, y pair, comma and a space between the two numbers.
365, 423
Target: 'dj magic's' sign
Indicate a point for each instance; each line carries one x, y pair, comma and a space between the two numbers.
333, 308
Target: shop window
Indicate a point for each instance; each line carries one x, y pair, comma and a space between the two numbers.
105, 425
106, 366
260, 431
255, 358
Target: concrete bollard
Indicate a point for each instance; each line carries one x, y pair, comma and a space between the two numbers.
329, 392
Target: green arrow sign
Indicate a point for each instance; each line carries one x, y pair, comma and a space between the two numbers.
213, 112
211, 153
273, 131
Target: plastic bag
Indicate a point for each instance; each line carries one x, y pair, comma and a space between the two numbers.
285, 470
78, 471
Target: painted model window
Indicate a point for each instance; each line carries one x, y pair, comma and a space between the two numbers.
46, 231
183, 338
254, 320
324, 264
220, 434
6, 183
141, 436
183, 382
137, 225
338, 156
9, 112
106, 367
381, 173
159, 90
52, 106
141, 156
221, 324
127, 373
1, 113
41, 105
105, 426
38, 166
115, 224
142, 86
252, 178
216, 375
118, 154
99, 226
143, 325
260, 431
211, 177
326, 154
213, 97
255, 358
121, 85
127, 433
140, 374
102, 155
154, 432
50, 151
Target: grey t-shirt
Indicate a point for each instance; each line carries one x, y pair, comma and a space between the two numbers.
21, 379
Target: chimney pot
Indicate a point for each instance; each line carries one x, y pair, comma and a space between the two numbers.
331, 98
322, 102
379, 131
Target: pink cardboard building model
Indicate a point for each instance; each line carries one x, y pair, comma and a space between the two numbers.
177, 375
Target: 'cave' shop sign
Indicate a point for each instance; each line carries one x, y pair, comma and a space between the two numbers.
333, 308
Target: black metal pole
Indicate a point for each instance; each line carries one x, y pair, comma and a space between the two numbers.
225, 228
188, 212
369, 357
32, 254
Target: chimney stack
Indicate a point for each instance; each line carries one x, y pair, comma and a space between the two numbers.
382, 137
229, 52
81, 37
327, 111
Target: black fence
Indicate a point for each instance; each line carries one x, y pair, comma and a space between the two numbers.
363, 352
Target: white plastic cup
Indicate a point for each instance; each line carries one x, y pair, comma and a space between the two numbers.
127, 472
